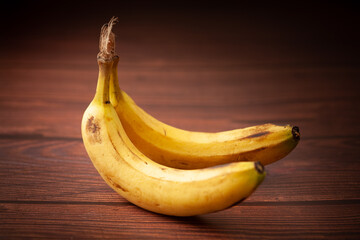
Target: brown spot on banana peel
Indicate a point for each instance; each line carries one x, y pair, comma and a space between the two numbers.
260, 134
93, 129
183, 163
91, 125
252, 136
176, 161
114, 184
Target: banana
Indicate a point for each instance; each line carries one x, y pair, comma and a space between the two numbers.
183, 149
147, 184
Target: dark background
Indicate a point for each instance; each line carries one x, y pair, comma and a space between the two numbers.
312, 33
195, 65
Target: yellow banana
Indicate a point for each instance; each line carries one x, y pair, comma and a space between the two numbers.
148, 184
183, 149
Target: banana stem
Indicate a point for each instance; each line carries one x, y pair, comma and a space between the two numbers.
102, 88
105, 61
114, 83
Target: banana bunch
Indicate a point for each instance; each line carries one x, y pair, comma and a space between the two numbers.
165, 169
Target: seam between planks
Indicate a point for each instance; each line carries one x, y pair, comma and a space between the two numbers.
265, 203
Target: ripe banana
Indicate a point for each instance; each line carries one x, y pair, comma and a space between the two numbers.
183, 149
148, 184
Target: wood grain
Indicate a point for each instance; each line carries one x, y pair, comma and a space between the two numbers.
198, 67
66, 220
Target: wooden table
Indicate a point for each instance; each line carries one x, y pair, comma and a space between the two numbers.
199, 68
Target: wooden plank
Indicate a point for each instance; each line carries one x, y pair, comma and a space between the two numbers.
69, 220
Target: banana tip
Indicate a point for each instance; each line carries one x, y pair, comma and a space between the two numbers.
259, 167
296, 133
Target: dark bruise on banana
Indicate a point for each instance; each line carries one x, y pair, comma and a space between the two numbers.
93, 129
260, 134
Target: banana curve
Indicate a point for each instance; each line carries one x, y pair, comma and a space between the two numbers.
150, 185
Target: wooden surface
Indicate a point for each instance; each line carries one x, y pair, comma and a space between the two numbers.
199, 68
